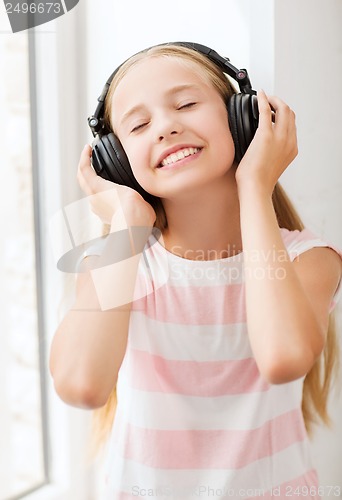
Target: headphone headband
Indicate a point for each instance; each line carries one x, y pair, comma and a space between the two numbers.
95, 121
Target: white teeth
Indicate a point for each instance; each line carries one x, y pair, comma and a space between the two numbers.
179, 155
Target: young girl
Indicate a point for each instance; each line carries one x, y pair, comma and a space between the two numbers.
202, 333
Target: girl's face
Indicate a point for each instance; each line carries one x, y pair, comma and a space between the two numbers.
173, 126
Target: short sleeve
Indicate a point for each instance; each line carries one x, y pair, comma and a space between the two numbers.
298, 242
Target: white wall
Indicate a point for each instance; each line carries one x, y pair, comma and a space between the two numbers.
123, 28
308, 74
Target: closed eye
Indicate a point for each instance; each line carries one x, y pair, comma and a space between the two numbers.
138, 127
188, 105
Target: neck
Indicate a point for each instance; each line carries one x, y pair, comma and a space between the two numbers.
204, 225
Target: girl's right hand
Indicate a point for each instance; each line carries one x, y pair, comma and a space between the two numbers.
107, 198
273, 147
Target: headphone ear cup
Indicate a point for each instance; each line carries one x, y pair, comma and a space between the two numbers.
232, 119
121, 165
104, 161
243, 119
249, 117
110, 162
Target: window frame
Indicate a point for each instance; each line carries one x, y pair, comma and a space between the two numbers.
65, 429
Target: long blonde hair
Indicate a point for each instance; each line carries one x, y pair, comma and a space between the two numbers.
320, 378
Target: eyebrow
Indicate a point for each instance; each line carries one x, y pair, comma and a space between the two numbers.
173, 91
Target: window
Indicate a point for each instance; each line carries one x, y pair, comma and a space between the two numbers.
23, 453
43, 452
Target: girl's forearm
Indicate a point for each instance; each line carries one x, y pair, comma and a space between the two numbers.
90, 343
86, 354
284, 333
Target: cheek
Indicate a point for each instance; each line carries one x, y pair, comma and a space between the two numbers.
217, 125
138, 161
134, 155
230, 146
225, 143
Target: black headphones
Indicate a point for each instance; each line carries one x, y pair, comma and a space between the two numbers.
109, 158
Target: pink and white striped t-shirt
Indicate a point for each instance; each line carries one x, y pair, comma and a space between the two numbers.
194, 418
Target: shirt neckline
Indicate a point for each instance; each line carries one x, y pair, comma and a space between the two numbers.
159, 247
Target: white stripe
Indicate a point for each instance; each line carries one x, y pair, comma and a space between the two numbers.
205, 273
298, 247
153, 410
185, 272
266, 473
189, 342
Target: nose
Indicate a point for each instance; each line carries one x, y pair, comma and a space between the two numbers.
167, 126
164, 136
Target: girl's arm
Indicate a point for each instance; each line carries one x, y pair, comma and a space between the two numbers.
287, 302
90, 343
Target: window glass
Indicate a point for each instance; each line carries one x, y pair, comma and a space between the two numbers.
22, 461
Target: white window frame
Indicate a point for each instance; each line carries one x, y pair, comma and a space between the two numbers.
70, 475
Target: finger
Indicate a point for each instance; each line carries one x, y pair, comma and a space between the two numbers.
285, 125
284, 116
265, 111
86, 175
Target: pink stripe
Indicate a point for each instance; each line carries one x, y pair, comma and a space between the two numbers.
152, 373
195, 305
211, 449
305, 486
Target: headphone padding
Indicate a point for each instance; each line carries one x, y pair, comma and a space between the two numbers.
246, 120
240, 122
120, 161
232, 118
103, 163
243, 118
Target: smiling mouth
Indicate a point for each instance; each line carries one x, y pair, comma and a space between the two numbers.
179, 155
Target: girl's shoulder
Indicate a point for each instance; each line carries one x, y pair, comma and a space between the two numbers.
323, 265
299, 241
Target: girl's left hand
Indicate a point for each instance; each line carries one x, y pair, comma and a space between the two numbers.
273, 147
